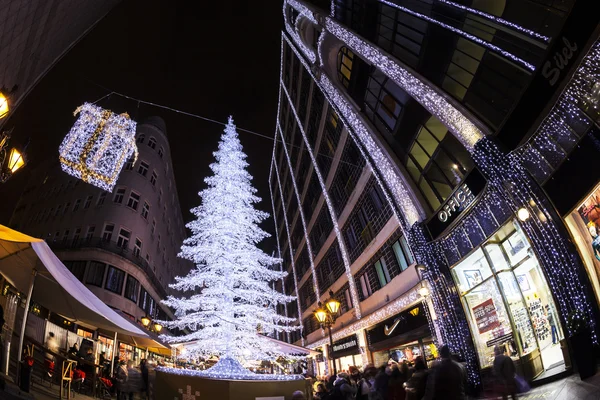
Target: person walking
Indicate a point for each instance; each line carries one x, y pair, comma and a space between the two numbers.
121, 376
298, 395
415, 386
144, 369
343, 388
321, 393
504, 370
396, 384
448, 379
366, 386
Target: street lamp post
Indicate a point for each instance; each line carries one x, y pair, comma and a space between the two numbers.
326, 317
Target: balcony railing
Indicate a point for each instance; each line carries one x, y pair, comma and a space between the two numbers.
113, 247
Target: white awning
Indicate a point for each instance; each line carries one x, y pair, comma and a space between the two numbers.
55, 287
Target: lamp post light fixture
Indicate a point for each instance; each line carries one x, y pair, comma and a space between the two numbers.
145, 321
11, 159
326, 317
157, 327
3, 105
423, 290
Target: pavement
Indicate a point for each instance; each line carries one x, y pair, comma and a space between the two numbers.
569, 388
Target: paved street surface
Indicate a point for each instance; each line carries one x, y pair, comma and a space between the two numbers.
569, 388
38, 392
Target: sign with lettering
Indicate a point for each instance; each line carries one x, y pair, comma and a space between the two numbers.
462, 197
560, 58
346, 346
486, 316
401, 323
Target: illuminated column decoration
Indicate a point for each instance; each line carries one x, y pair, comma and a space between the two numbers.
287, 228
277, 237
301, 211
564, 271
332, 213
418, 88
97, 146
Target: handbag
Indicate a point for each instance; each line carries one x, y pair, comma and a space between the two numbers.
522, 385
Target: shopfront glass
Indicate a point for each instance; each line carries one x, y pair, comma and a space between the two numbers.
584, 225
407, 352
507, 299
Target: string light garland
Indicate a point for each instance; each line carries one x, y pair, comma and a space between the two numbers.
292, 31
301, 211
289, 236
97, 146
418, 88
332, 213
462, 33
497, 20
560, 262
563, 126
277, 239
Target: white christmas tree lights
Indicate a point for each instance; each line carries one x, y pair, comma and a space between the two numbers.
231, 298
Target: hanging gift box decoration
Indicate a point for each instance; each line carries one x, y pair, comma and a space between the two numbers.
98, 145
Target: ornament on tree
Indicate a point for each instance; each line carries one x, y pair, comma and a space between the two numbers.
230, 297
98, 145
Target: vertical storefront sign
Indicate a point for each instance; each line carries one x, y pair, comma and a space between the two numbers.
486, 316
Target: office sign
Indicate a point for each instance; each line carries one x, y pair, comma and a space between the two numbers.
462, 197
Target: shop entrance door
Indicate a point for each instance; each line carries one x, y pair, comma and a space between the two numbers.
509, 302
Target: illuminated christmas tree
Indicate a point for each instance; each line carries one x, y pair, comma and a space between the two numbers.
230, 298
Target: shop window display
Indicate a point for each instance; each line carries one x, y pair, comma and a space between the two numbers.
507, 299
584, 225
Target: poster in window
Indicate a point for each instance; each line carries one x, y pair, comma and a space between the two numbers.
589, 211
486, 316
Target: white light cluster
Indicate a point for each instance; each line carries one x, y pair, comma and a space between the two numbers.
556, 128
289, 236
320, 47
291, 30
462, 33
393, 308
334, 218
301, 211
302, 9
97, 146
497, 20
423, 92
230, 369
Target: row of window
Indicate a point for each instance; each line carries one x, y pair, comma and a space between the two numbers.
151, 143
123, 239
115, 280
393, 258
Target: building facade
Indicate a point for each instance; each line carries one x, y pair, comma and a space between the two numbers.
431, 144
35, 35
123, 245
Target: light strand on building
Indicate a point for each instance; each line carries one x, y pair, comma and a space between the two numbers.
300, 210
407, 215
497, 20
462, 33
332, 213
277, 235
521, 191
291, 30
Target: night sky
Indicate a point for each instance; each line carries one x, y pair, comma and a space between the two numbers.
207, 58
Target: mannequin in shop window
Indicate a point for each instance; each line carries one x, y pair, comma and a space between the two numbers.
595, 239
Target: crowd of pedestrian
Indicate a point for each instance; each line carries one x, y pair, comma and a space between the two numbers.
446, 379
